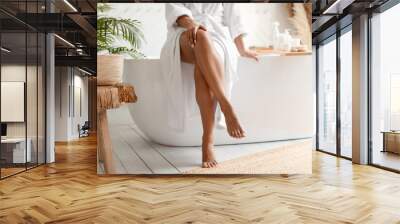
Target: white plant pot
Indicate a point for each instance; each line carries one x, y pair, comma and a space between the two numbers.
109, 69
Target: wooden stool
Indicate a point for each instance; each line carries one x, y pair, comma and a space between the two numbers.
110, 97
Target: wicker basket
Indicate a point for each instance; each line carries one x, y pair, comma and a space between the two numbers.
109, 69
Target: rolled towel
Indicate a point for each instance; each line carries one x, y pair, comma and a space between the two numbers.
109, 69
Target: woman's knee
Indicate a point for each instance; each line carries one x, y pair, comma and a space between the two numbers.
202, 36
187, 54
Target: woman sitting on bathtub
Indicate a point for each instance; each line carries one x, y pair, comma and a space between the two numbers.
209, 36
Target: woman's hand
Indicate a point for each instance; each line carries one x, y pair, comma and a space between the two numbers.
249, 54
191, 28
192, 32
243, 51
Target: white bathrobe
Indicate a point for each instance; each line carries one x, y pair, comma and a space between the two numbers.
223, 23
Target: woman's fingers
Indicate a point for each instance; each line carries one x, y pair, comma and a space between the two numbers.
190, 37
255, 57
250, 54
202, 27
194, 34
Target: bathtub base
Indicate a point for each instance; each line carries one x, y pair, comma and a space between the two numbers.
274, 100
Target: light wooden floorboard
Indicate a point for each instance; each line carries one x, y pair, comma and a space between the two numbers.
120, 116
117, 146
125, 158
153, 159
119, 122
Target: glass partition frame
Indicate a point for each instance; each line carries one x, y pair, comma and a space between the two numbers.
34, 63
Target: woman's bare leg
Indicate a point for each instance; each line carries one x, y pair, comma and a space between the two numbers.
207, 105
209, 90
211, 68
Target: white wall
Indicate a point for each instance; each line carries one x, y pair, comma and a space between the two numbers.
15, 72
61, 103
66, 121
259, 18
12, 100
80, 82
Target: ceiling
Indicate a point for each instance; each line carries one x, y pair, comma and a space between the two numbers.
332, 15
74, 22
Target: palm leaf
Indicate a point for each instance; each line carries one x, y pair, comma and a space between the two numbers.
129, 51
102, 7
109, 29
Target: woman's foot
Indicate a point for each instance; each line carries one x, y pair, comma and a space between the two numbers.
232, 123
208, 155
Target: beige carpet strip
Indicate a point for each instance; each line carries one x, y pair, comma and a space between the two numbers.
294, 158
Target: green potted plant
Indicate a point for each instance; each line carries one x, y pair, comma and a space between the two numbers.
110, 58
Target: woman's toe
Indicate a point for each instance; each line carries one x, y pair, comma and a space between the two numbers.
238, 134
210, 164
243, 132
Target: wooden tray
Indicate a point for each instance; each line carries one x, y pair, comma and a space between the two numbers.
268, 50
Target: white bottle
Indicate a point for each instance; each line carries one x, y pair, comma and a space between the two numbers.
287, 41
275, 35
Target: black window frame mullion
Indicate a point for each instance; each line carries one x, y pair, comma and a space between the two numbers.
369, 91
333, 37
0, 97
338, 98
337, 35
317, 95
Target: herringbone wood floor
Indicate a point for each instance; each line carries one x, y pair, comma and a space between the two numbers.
70, 191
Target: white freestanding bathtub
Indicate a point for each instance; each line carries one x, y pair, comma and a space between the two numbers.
274, 100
